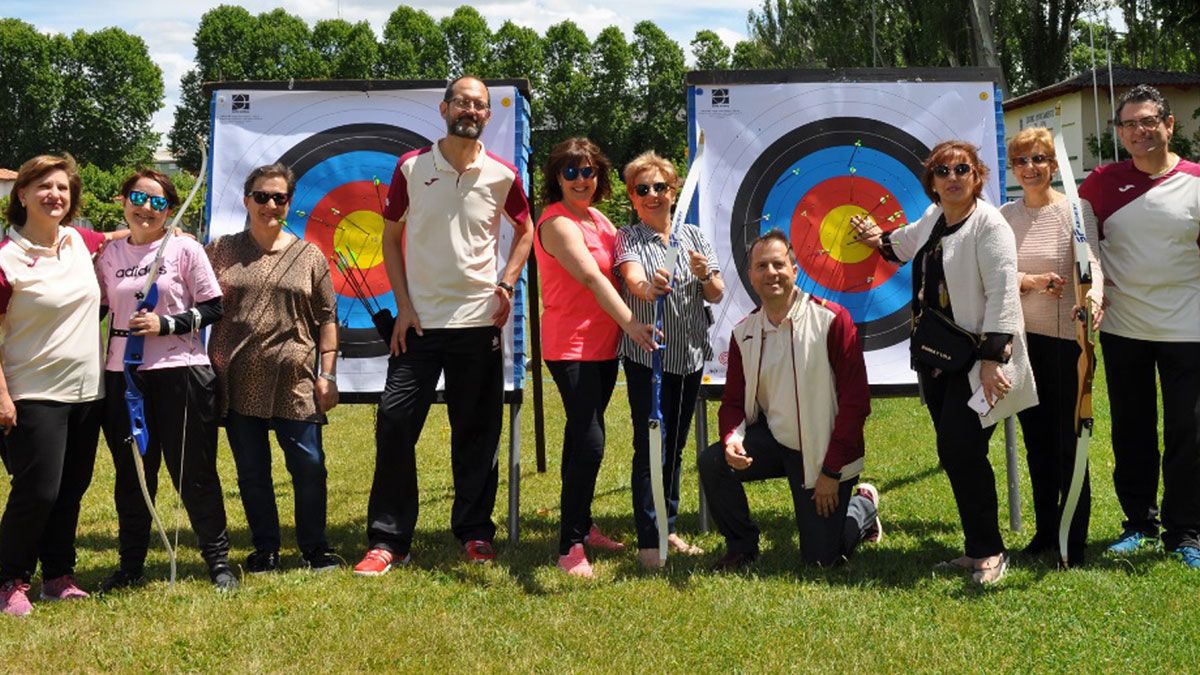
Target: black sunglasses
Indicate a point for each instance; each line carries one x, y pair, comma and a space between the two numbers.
139, 198
572, 172
1039, 160
941, 170
642, 189
261, 197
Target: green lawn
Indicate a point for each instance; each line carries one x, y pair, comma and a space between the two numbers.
885, 610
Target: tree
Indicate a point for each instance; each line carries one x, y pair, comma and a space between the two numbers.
609, 119
659, 101
566, 92
116, 89
348, 51
516, 52
413, 47
467, 36
710, 51
31, 89
1044, 43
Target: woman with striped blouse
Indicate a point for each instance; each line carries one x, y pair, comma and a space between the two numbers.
642, 250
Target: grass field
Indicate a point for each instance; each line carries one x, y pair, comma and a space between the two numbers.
884, 611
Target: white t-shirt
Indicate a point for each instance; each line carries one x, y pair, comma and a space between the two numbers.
1150, 248
50, 308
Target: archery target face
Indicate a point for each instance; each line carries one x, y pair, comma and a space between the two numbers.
342, 178
343, 147
806, 158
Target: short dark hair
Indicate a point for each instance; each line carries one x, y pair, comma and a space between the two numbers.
1141, 94
168, 187
773, 234
275, 170
33, 170
575, 152
449, 94
939, 155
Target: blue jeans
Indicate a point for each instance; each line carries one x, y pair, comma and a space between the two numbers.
305, 461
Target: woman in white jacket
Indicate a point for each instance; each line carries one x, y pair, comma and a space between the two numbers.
964, 266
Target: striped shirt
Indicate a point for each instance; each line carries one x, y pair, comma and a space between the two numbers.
685, 325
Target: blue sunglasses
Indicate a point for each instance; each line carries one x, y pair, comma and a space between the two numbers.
139, 198
572, 172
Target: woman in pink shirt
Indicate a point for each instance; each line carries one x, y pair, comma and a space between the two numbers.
582, 320
175, 378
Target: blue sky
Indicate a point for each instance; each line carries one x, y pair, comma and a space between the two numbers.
168, 27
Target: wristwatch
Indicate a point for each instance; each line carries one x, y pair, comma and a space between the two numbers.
507, 287
836, 475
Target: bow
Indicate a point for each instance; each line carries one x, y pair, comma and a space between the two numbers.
139, 434
658, 431
1086, 366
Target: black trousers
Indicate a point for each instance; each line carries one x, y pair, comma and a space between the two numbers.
962, 448
585, 388
1129, 367
188, 445
50, 454
472, 361
678, 400
1050, 441
823, 540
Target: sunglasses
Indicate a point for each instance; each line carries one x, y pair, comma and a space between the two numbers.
469, 104
570, 173
941, 170
261, 197
139, 198
642, 189
1038, 160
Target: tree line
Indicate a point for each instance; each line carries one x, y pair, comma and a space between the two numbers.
94, 94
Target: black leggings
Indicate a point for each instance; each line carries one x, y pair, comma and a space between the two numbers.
962, 448
585, 387
49, 454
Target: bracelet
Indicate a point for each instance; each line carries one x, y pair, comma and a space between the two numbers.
836, 475
507, 288
329, 376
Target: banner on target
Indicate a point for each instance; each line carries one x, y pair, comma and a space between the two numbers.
804, 152
342, 141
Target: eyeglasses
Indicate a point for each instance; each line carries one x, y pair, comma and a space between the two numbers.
642, 189
570, 173
1147, 123
470, 104
139, 198
261, 197
941, 170
1038, 160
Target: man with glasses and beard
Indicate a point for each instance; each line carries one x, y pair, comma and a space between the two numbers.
1148, 214
441, 226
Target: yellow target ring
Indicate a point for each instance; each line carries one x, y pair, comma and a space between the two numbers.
837, 235
361, 232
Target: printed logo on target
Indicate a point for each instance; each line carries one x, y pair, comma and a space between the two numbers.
720, 98
241, 103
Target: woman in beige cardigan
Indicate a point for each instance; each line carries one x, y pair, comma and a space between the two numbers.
965, 266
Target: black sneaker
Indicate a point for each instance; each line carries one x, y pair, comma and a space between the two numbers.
734, 561
122, 578
223, 577
322, 560
261, 562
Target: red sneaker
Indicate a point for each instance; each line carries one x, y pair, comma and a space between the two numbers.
378, 561
596, 539
872, 494
62, 588
14, 598
575, 563
479, 551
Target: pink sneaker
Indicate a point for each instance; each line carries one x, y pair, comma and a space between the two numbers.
14, 598
575, 563
596, 539
62, 588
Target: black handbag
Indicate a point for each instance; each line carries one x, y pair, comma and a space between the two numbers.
936, 341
